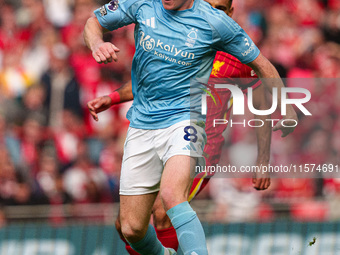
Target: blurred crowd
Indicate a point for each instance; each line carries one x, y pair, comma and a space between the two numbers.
52, 152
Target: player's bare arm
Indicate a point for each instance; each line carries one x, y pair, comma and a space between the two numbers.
99, 104
261, 181
102, 52
264, 69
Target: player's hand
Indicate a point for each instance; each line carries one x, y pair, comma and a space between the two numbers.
288, 127
261, 180
105, 53
99, 104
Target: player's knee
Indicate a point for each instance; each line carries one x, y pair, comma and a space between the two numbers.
132, 232
160, 218
171, 197
159, 214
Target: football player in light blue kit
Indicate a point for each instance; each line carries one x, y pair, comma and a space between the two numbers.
176, 41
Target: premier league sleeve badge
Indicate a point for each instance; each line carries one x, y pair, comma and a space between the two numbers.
113, 5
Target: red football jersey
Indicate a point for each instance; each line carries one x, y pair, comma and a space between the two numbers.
225, 66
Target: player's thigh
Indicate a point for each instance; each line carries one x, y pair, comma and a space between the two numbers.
141, 167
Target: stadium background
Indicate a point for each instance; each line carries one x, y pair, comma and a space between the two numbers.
59, 170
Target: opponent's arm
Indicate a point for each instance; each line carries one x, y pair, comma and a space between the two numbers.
264, 70
261, 180
125, 92
102, 52
121, 95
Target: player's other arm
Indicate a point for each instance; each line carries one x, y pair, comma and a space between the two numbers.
271, 79
121, 95
261, 180
102, 52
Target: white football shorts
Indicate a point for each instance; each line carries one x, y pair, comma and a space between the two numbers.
147, 151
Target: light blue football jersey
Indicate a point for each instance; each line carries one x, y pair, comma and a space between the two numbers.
173, 48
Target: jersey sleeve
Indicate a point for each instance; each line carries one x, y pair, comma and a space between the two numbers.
117, 13
231, 38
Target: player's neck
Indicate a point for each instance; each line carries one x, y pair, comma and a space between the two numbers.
189, 5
